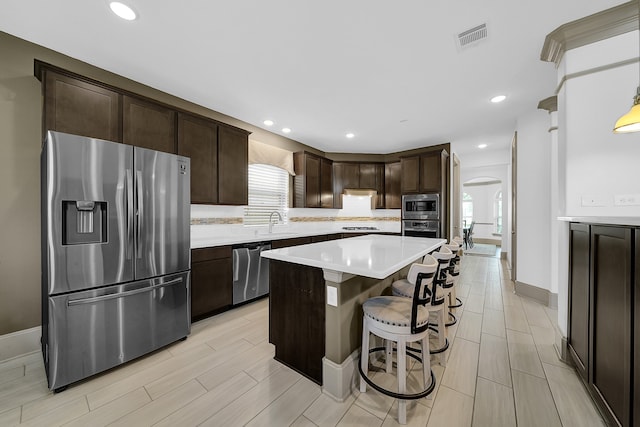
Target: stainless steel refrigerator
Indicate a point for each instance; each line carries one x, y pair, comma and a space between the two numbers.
115, 254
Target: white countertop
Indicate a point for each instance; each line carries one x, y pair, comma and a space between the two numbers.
613, 220
376, 256
203, 236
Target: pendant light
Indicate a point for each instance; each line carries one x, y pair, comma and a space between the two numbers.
630, 122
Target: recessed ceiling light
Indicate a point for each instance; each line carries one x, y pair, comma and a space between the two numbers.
286, 130
268, 122
350, 135
482, 146
498, 98
122, 10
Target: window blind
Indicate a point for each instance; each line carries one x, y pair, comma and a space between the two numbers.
268, 192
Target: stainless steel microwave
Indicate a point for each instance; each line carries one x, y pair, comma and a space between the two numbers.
421, 206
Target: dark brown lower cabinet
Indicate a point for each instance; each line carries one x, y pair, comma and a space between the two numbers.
284, 243
297, 317
579, 254
603, 309
611, 306
211, 281
636, 332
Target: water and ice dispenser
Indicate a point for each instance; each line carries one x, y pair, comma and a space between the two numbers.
84, 221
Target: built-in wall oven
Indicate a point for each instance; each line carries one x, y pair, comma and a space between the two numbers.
421, 215
421, 228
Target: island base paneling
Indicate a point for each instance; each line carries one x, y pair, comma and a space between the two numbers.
297, 317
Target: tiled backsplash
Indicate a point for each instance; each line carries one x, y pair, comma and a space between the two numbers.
233, 215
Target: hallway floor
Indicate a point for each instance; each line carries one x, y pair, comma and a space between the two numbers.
502, 370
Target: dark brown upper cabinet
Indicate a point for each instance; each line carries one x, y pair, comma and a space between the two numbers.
147, 124
233, 161
372, 177
410, 180
392, 190
345, 175
313, 183
424, 173
81, 108
358, 175
326, 183
198, 140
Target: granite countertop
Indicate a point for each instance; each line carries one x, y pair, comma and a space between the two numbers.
203, 237
375, 256
612, 220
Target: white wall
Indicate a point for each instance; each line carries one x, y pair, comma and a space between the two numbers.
596, 86
533, 200
599, 163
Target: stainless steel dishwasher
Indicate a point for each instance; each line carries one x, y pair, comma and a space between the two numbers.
250, 272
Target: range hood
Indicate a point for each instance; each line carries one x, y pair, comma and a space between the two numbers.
360, 193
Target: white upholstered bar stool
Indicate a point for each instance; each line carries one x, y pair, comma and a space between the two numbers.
437, 306
403, 321
444, 279
455, 246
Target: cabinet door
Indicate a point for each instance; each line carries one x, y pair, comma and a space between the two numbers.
636, 332
611, 318
579, 292
148, 125
430, 172
233, 164
392, 199
312, 181
297, 317
368, 176
81, 108
211, 281
285, 243
380, 186
345, 175
410, 178
326, 183
198, 140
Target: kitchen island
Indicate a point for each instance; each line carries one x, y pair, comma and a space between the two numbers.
316, 295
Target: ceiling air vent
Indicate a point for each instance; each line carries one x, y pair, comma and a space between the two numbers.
472, 36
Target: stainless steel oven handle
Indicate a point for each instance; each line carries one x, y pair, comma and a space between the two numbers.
123, 294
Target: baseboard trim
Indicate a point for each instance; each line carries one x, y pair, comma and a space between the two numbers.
20, 343
486, 241
562, 350
338, 380
543, 296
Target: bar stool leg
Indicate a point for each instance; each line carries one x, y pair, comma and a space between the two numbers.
402, 380
389, 355
364, 358
442, 335
426, 363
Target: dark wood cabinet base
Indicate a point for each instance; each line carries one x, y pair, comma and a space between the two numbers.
297, 317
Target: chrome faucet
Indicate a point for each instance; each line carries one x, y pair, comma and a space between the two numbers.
271, 219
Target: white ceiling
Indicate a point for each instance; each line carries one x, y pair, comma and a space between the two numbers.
388, 71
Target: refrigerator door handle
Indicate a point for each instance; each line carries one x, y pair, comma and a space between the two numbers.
140, 214
123, 294
129, 183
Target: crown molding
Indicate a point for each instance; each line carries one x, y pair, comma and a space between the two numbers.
550, 104
593, 28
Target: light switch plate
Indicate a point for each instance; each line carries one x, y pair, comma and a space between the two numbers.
332, 296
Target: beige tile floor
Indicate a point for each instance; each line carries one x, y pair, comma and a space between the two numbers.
502, 370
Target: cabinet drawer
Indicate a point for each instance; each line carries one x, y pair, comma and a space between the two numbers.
206, 254
276, 244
